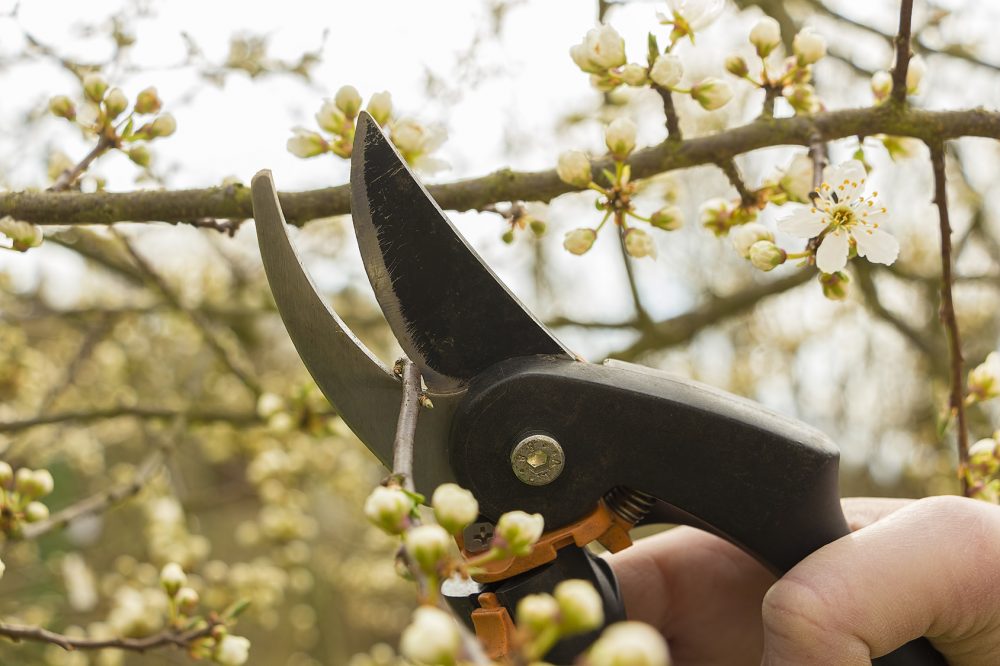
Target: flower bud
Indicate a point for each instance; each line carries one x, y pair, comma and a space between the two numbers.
603, 82
602, 49
380, 106
634, 75
579, 241
148, 101
639, 244
802, 98
915, 74
427, 545
808, 47
667, 70
881, 85
716, 214
232, 651
834, 285
745, 235
6, 473
580, 606
269, 404
331, 118
33, 484
172, 578
737, 66
668, 218
115, 102
3, 568
454, 507
431, 638
984, 379
23, 235
620, 137
94, 87
517, 532
388, 509
187, 600
537, 612
305, 143
140, 155
711, 93
164, 125
348, 100
36, 512
797, 179
629, 644
766, 256
573, 168
62, 107
765, 36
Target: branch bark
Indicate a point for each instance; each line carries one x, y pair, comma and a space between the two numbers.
164, 638
231, 202
902, 42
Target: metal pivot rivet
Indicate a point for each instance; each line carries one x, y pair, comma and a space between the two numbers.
537, 460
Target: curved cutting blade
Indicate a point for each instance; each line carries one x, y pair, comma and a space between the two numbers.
450, 313
364, 392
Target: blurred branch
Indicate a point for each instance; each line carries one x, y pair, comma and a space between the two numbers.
163, 638
729, 168
682, 328
192, 416
99, 502
183, 206
948, 311
673, 122
903, 52
642, 319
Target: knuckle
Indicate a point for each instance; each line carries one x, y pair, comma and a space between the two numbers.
796, 609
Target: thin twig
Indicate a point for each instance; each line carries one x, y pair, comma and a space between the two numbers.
947, 313
99, 502
642, 319
729, 168
163, 638
406, 424
157, 413
902, 52
670, 111
68, 177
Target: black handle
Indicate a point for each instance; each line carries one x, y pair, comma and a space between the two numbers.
765, 482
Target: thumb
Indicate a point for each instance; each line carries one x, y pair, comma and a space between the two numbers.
928, 569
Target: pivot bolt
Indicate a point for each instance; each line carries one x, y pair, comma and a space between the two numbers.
537, 460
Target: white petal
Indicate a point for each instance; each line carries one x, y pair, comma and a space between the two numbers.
805, 222
847, 180
876, 245
832, 254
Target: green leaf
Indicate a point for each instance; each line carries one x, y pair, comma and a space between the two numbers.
653, 49
235, 609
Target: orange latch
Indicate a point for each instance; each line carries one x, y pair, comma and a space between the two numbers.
494, 628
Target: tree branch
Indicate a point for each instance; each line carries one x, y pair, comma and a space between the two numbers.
183, 206
948, 311
163, 638
903, 53
83, 416
682, 328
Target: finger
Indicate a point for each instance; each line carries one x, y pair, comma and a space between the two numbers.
929, 568
690, 585
863, 511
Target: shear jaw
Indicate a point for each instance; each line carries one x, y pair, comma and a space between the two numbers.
361, 388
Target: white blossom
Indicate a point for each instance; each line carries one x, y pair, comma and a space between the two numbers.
845, 218
620, 137
573, 168
306, 143
745, 235
580, 606
579, 241
232, 650
330, 118
693, 15
148, 101
881, 84
23, 235
62, 107
984, 379
6, 473
668, 218
537, 611
765, 35
36, 512
454, 507
667, 70
268, 404
172, 578
809, 46
94, 87
388, 508
348, 100
380, 106
115, 102
519, 531
416, 142
629, 644
163, 125
601, 49
634, 75
639, 244
766, 256
3, 568
431, 638
915, 74
711, 93
427, 545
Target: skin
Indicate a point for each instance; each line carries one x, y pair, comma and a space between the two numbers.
910, 568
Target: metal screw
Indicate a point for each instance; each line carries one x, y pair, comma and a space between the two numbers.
477, 537
537, 460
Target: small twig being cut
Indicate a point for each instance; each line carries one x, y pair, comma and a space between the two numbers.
902, 52
948, 312
163, 638
406, 424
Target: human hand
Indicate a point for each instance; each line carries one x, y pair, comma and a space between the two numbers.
927, 567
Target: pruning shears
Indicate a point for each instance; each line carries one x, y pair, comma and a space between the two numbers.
524, 423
